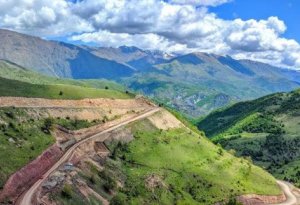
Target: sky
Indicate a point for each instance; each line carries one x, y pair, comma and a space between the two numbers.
262, 30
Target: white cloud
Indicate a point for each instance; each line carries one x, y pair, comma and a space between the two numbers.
174, 26
146, 41
42, 17
200, 2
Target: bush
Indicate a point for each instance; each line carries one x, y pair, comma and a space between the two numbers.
109, 184
92, 179
233, 201
119, 199
48, 123
10, 115
67, 192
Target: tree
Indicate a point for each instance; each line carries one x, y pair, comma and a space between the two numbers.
106, 87
61, 93
48, 123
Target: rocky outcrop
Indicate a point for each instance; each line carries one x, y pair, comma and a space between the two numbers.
28, 175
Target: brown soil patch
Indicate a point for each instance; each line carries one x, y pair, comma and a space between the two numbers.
154, 181
100, 148
25, 177
86, 109
84, 103
165, 120
253, 199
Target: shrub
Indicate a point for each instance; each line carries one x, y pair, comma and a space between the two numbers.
48, 123
67, 192
92, 179
119, 199
233, 201
109, 183
10, 115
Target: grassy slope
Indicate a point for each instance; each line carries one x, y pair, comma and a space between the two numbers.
267, 129
14, 72
196, 88
16, 88
193, 170
21, 140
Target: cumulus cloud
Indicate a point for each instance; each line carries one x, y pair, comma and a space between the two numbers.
41, 17
200, 2
174, 26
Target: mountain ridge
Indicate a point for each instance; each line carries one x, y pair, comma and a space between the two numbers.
266, 129
195, 83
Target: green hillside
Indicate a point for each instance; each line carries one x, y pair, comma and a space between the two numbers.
22, 137
267, 129
22, 89
185, 166
189, 168
198, 83
14, 72
18, 81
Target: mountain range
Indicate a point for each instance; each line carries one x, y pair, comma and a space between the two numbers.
194, 83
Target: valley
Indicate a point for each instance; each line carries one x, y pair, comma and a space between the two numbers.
94, 125
266, 129
117, 150
194, 84
149, 102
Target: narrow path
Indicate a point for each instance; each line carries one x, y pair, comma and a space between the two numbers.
289, 190
26, 198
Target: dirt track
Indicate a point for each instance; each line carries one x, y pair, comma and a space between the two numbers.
84, 103
26, 198
292, 194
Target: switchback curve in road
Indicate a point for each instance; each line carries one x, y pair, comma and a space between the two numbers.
26, 198
289, 190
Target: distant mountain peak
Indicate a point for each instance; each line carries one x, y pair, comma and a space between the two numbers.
129, 49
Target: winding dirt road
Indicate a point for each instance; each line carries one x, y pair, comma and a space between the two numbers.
292, 194
26, 198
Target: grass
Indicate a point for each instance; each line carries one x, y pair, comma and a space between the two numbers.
73, 197
21, 89
266, 129
192, 170
76, 124
24, 136
12, 71
21, 140
18, 81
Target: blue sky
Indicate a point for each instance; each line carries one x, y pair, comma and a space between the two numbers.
286, 10
261, 30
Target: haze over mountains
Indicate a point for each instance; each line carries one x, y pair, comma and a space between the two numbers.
194, 83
